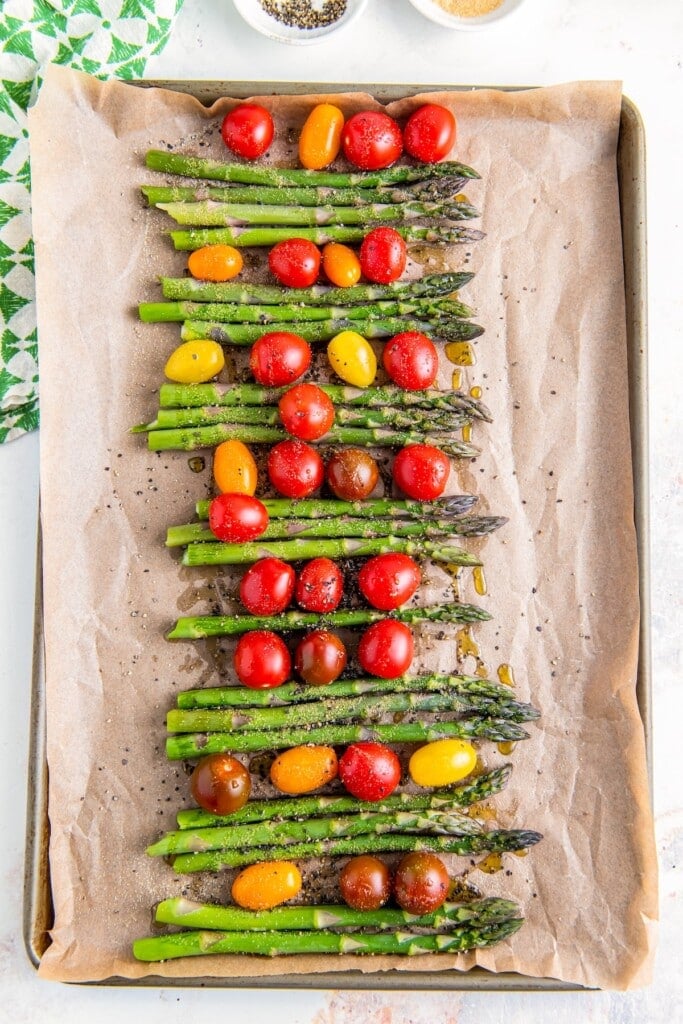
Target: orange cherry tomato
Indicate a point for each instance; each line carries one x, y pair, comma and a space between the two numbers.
266, 885
303, 769
320, 138
215, 263
341, 265
234, 468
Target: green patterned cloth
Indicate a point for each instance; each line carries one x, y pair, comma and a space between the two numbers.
105, 38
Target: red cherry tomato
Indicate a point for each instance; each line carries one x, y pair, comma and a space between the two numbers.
386, 649
267, 586
306, 412
295, 262
262, 660
388, 581
279, 358
236, 518
371, 140
370, 771
411, 360
421, 471
220, 784
383, 255
320, 658
248, 130
320, 586
365, 883
429, 134
295, 469
421, 883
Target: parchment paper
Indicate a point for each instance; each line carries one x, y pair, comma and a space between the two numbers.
562, 575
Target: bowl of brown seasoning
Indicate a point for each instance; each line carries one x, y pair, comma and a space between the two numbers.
466, 15
299, 21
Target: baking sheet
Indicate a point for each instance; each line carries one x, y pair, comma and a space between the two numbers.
635, 783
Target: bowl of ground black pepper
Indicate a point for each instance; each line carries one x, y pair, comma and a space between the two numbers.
299, 21
466, 15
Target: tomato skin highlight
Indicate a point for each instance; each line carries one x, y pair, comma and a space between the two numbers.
234, 468
220, 784
295, 469
340, 265
429, 134
372, 140
261, 660
369, 771
320, 658
383, 255
215, 263
295, 262
320, 586
195, 362
421, 471
248, 130
279, 358
365, 883
421, 883
266, 885
388, 581
236, 518
320, 138
267, 586
386, 649
306, 412
411, 360
352, 474
303, 769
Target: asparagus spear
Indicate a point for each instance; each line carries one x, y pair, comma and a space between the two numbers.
199, 627
269, 416
244, 237
189, 914
251, 174
205, 553
318, 295
301, 195
199, 943
194, 745
446, 328
321, 508
233, 312
209, 213
499, 841
481, 788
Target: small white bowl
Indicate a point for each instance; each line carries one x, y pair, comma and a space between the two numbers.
267, 25
441, 16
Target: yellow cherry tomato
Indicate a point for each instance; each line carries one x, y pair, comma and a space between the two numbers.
352, 359
320, 137
303, 769
442, 762
234, 468
266, 885
341, 265
195, 362
215, 263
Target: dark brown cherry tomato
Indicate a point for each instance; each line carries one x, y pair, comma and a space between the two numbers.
370, 771
306, 412
429, 134
371, 140
411, 360
320, 658
248, 130
388, 581
267, 586
262, 660
421, 883
386, 649
383, 255
352, 474
320, 586
236, 518
295, 262
365, 883
220, 784
279, 358
421, 471
295, 469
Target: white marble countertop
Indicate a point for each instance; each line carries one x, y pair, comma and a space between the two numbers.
547, 41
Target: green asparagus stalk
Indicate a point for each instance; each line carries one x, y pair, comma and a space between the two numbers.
499, 841
441, 327
200, 943
439, 189
194, 745
252, 174
481, 788
245, 237
321, 508
188, 914
206, 553
209, 213
233, 313
432, 285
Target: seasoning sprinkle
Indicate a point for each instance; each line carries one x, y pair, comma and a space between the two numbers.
469, 8
306, 14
